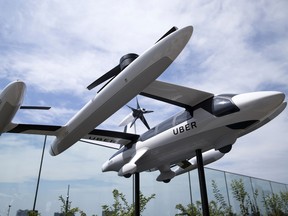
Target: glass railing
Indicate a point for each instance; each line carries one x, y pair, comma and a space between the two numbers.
90, 189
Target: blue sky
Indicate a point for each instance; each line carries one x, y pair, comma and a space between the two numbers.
59, 47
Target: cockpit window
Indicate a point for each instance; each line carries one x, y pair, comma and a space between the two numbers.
223, 105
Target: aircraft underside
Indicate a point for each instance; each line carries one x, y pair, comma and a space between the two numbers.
168, 154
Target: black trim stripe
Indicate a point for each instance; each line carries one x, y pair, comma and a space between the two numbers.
35, 107
173, 102
20, 128
242, 125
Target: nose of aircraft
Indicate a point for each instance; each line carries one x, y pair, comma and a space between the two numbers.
113, 164
105, 166
261, 103
110, 165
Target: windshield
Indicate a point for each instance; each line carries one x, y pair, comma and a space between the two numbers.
223, 105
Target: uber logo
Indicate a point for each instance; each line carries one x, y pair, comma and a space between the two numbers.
102, 139
184, 128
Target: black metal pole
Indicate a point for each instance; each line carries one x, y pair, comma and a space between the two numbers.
137, 194
202, 183
190, 189
67, 201
133, 189
8, 213
39, 174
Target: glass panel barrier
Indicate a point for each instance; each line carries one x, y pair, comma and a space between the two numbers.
90, 189
240, 192
261, 189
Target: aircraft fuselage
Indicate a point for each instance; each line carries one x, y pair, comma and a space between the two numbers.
130, 82
213, 124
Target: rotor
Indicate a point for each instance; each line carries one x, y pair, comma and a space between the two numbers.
123, 63
137, 113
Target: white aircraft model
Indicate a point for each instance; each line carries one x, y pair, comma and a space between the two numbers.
210, 123
133, 74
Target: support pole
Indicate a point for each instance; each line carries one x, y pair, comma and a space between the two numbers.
39, 174
202, 183
133, 189
190, 188
9, 207
67, 201
137, 194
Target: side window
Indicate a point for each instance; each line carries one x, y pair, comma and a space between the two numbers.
182, 117
165, 125
148, 134
223, 106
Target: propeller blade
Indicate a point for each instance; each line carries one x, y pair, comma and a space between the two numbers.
134, 120
35, 107
136, 114
138, 106
167, 33
113, 72
142, 118
124, 62
134, 111
105, 84
148, 111
130, 107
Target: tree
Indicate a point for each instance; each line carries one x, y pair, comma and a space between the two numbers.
276, 204
284, 197
66, 209
33, 213
216, 208
191, 209
241, 195
224, 208
121, 207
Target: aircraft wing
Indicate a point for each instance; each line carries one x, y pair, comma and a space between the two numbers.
175, 94
110, 139
34, 129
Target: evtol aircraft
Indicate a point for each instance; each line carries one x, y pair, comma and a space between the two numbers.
208, 122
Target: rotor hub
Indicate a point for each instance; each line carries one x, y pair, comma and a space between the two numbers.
126, 60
